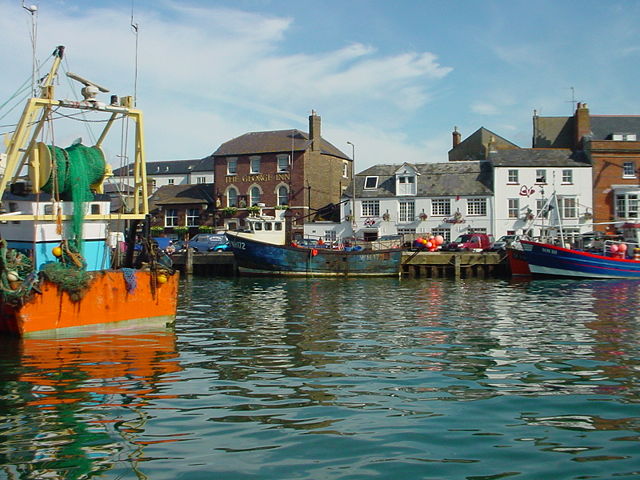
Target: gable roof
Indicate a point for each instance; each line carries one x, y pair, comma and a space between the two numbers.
434, 179
477, 145
539, 157
273, 142
558, 132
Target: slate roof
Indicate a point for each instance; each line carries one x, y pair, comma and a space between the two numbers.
539, 157
474, 147
603, 126
273, 142
171, 167
434, 179
181, 195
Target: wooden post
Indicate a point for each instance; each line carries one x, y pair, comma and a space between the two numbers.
188, 261
456, 266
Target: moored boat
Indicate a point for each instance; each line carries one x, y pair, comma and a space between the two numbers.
56, 266
261, 258
553, 260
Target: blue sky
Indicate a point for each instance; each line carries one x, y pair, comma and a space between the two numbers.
392, 77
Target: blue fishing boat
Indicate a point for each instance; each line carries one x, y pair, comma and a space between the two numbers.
262, 258
554, 260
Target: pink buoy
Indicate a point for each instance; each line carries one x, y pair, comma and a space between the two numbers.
613, 248
622, 247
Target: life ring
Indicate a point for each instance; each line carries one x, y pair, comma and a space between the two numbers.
314, 252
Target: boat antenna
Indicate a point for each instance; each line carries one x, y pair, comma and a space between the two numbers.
33, 11
134, 29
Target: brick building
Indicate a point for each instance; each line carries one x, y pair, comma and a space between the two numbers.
276, 170
612, 146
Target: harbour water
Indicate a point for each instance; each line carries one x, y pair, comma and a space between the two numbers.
339, 379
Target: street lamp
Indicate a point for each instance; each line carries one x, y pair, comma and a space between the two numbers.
353, 185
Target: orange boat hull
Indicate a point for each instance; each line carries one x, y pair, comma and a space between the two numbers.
106, 302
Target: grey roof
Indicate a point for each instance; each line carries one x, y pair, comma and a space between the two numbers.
434, 179
171, 167
539, 157
603, 126
272, 142
182, 195
476, 145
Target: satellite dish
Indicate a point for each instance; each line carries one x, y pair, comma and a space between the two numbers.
90, 89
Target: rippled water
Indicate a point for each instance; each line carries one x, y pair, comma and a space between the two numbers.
339, 379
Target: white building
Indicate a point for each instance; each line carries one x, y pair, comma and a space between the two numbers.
525, 179
174, 172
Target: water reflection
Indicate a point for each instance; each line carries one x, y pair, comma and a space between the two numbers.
73, 407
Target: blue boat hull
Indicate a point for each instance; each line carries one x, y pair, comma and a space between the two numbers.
545, 259
255, 257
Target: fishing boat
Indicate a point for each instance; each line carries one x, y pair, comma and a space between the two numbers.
261, 250
57, 270
554, 260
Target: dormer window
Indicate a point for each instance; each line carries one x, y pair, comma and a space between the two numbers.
624, 137
406, 185
370, 183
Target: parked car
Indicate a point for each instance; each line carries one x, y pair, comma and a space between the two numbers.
470, 242
208, 242
505, 242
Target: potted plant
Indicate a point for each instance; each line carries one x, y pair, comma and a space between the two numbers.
205, 229
156, 231
181, 232
254, 210
229, 211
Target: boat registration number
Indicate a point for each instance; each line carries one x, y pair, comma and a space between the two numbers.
238, 245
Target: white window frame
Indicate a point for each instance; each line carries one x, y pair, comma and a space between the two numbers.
440, 207
254, 164
541, 175
171, 217
407, 211
568, 207
477, 206
512, 176
567, 176
232, 165
627, 204
232, 197
370, 208
283, 199
629, 170
370, 183
192, 217
283, 163
253, 200
406, 185
513, 207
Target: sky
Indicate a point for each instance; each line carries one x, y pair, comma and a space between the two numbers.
392, 77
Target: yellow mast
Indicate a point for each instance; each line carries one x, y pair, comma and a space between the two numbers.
22, 145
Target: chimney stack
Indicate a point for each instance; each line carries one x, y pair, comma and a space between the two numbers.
582, 124
314, 131
456, 136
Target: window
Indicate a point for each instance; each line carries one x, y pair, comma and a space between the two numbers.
201, 180
627, 137
232, 166
444, 232
232, 197
95, 209
476, 206
170, 181
513, 208
627, 205
170, 217
629, 170
541, 176
512, 176
283, 195
254, 163
283, 163
193, 217
407, 211
441, 206
371, 208
154, 183
255, 196
406, 185
370, 183
568, 207
540, 203
345, 170
567, 176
